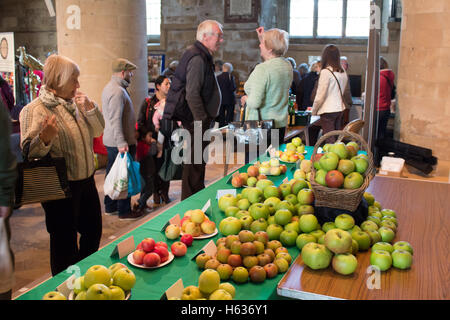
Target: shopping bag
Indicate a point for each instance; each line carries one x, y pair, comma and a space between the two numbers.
116, 181
6, 264
134, 177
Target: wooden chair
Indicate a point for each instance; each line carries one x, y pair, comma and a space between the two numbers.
354, 126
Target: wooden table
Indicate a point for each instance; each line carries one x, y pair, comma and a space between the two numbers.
423, 220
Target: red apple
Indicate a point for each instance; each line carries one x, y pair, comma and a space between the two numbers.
148, 244
162, 243
162, 252
152, 259
283, 168
234, 260
138, 256
334, 179
178, 249
237, 182
187, 239
139, 246
271, 270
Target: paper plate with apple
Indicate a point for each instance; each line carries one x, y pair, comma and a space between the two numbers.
143, 266
72, 295
204, 235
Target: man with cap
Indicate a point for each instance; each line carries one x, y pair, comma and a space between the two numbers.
120, 129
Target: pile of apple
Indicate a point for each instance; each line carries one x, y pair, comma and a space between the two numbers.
100, 283
209, 288
249, 178
247, 256
149, 253
283, 212
294, 151
195, 223
339, 241
340, 166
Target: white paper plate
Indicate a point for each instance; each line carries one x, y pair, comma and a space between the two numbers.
205, 236
72, 295
131, 261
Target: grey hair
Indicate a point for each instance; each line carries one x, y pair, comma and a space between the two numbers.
229, 66
207, 27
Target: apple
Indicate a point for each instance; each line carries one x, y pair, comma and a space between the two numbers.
374, 219
227, 200
272, 203
296, 141
305, 209
338, 241
403, 245
163, 253
193, 229
344, 221
259, 225
306, 165
78, 285
317, 233
236, 247
388, 224
208, 281
230, 239
244, 177
389, 218
208, 227
363, 239
257, 274
352, 152
116, 266
308, 223
198, 216
334, 179
242, 204
320, 177
191, 293
271, 270
316, 161
152, 259
246, 222
294, 225
242, 213
283, 217
274, 162
353, 181
98, 291
54, 295
271, 220
255, 195
246, 236
339, 149
264, 259
138, 256
369, 225
355, 247
361, 164
250, 261
316, 256
274, 231
259, 246
305, 196
270, 253
281, 264
124, 278
285, 205
201, 260
187, 239
292, 199
299, 174
271, 191
285, 189
274, 245
148, 244
288, 238
299, 185
225, 271
178, 249
291, 146
263, 183
344, 263
374, 236
230, 225
251, 181
303, 239
212, 264
258, 211
240, 275
229, 288
383, 246
378, 205
237, 181
220, 294
329, 161
388, 212
328, 226
252, 171
369, 198
353, 144
264, 170
346, 166
401, 259
97, 274
81, 295
172, 231
387, 234
382, 259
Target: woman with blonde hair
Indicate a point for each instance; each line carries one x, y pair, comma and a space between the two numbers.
62, 122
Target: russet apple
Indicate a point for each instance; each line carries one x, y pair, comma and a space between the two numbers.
281, 264
274, 245
234, 260
257, 274
259, 247
264, 259
201, 260
250, 261
271, 270
252, 171
212, 264
225, 271
270, 253
248, 249
237, 182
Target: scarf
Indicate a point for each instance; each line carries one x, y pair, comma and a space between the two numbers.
49, 99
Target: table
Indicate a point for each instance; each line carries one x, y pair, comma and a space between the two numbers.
294, 131
422, 212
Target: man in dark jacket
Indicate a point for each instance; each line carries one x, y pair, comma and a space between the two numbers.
194, 97
227, 88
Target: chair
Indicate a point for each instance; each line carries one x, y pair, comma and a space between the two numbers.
354, 126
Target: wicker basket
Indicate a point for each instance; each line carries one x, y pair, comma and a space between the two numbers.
346, 199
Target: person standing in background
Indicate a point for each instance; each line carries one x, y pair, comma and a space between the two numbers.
386, 98
227, 86
306, 87
296, 76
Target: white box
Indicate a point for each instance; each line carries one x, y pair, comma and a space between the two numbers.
392, 166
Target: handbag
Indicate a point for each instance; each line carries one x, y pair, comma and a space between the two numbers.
41, 180
347, 103
250, 131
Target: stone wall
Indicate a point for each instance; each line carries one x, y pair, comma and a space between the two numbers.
424, 76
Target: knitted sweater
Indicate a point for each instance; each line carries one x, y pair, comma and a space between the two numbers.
76, 131
268, 90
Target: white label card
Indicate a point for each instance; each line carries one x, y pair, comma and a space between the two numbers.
124, 247
206, 206
221, 193
66, 287
175, 290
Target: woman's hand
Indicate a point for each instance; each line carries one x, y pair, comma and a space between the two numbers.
244, 100
82, 101
49, 129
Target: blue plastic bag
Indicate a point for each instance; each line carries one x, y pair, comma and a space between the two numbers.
134, 177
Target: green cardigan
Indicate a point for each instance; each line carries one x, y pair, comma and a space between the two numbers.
267, 89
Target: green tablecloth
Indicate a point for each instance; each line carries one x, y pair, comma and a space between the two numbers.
151, 284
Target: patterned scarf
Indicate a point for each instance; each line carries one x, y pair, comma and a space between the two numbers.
49, 99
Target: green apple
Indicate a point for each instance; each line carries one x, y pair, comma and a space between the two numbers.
353, 181
259, 210
374, 219
231, 211
54, 295
274, 231
297, 141
274, 162
328, 226
271, 191
326, 147
271, 220
374, 236
375, 213
403, 245
255, 195
394, 220
98, 291
320, 177
383, 246
340, 149
97, 274
209, 281
301, 149
329, 161
353, 144
227, 200
308, 223
288, 238
387, 234
243, 204
303, 239
117, 293
78, 285
241, 213
230, 225
81, 295
321, 239
285, 189
305, 196
388, 224
355, 228
263, 183
292, 198
317, 233
116, 266
305, 209
259, 225
338, 241
272, 203
344, 221
401, 259
124, 278
299, 174
344, 263
346, 166
283, 217
299, 185
294, 225
251, 181
361, 164
369, 225
382, 259
291, 146
369, 198
286, 205
246, 222
316, 256
355, 247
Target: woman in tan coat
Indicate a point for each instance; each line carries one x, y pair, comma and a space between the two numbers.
63, 121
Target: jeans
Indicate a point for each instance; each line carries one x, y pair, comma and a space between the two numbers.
383, 118
123, 206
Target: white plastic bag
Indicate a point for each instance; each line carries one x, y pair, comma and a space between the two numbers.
116, 182
6, 266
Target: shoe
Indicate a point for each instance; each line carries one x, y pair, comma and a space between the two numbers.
156, 198
113, 213
165, 197
133, 215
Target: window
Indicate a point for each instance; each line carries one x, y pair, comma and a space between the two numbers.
153, 18
329, 18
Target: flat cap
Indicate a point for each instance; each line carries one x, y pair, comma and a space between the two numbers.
121, 64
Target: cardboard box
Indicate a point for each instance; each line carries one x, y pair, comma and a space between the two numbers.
391, 166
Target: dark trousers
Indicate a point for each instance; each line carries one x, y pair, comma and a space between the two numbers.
160, 186
327, 122
123, 206
383, 118
281, 134
226, 114
147, 171
66, 217
8, 294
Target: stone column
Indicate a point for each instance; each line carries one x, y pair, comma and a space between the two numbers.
423, 111
95, 32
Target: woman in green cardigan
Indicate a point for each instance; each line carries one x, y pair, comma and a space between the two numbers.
267, 88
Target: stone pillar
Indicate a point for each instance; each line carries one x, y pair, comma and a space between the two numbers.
423, 112
95, 32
